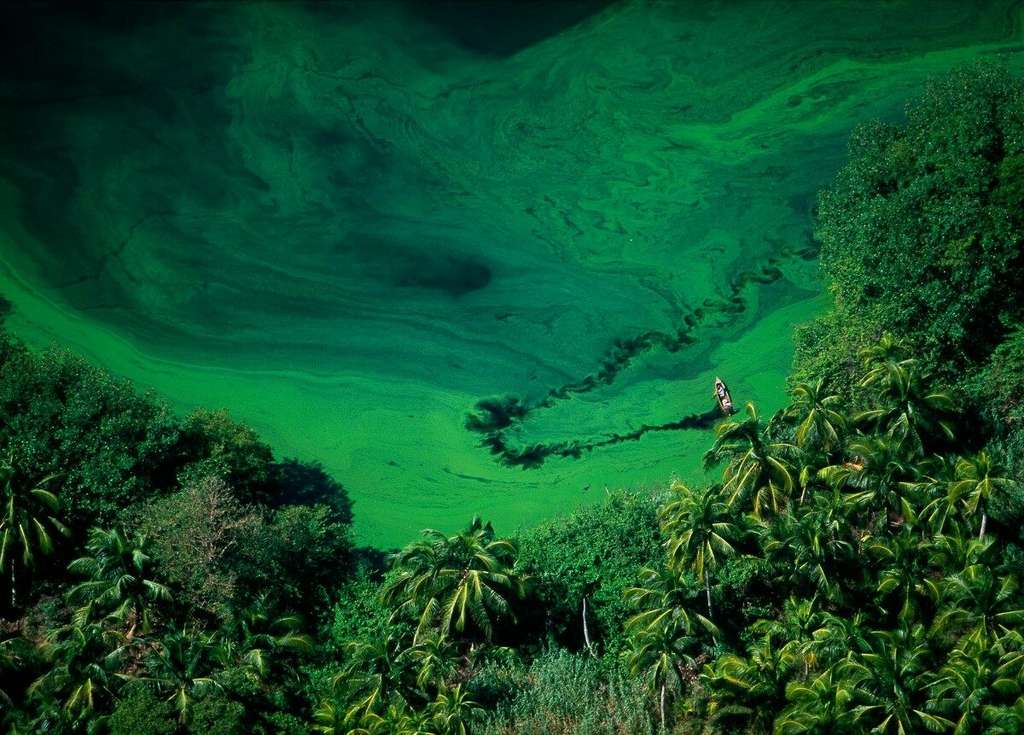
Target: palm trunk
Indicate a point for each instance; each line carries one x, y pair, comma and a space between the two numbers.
984, 523
707, 590
14, 594
586, 630
662, 707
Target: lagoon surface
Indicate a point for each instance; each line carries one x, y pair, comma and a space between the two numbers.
475, 258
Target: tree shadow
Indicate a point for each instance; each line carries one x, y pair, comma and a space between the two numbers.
502, 28
307, 483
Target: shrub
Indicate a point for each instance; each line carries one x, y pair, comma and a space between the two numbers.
141, 712
593, 552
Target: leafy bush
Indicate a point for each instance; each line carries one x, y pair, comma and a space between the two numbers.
593, 552
141, 712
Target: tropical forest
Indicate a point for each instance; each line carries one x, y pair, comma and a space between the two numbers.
359, 365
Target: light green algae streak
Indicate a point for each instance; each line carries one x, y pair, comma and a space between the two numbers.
349, 224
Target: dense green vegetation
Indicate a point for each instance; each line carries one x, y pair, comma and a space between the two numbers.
854, 569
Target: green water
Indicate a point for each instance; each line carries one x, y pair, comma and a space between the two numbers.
349, 224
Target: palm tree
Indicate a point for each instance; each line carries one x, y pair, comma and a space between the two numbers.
746, 692
821, 431
119, 582
434, 658
816, 705
28, 520
182, 666
979, 479
879, 475
903, 570
699, 532
454, 582
979, 606
400, 719
661, 634
968, 687
330, 718
885, 361
661, 591
659, 651
942, 491
887, 681
809, 548
255, 637
451, 710
371, 677
820, 423
756, 463
83, 675
951, 551
906, 413
837, 636
1009, 647
811, 460
800, 625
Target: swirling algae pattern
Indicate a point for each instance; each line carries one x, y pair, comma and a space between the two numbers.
475, 258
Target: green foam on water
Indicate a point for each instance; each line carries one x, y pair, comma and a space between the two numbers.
349, 224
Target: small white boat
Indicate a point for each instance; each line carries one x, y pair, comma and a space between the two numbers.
723, 397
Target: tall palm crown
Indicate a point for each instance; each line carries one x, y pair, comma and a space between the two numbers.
810, 548
820, 422
660, 593
799, 625
816, 705
887, 681
757, 464
85, 659
962, 690
941, 493
902, 568
750, 689
120, 580
181, 667
980, 606
699, 531
879, 475
434, 659
255, 638
905, 411
28, 521
979, 479
659, 651
456, 582
372, 674
452, 709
